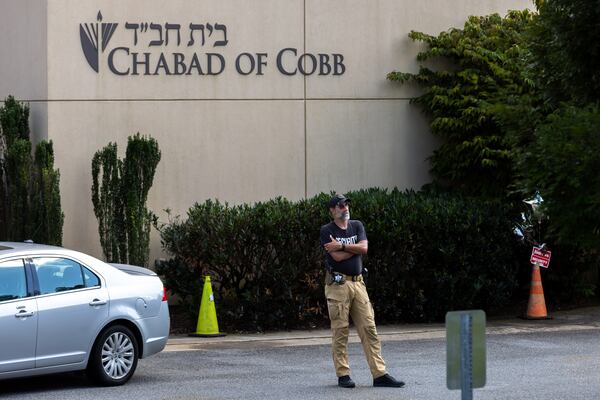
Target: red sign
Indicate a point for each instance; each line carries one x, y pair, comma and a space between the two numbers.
540, 257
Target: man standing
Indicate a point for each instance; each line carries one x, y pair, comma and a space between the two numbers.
345, 241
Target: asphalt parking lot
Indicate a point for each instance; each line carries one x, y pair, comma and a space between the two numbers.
555, 359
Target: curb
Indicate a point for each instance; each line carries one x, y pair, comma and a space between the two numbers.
572, 320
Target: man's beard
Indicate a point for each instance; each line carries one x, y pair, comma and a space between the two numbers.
344, 215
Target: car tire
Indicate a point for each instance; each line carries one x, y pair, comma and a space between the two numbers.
114, 356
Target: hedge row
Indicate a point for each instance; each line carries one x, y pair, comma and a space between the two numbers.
428, 253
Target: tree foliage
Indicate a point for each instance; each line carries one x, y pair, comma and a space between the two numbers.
486, 58
119, 195
563, 163
558, 153
565, 45
516, 103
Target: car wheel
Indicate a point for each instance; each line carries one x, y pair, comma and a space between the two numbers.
114, 356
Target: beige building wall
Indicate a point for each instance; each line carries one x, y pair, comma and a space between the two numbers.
232, 137
23, 58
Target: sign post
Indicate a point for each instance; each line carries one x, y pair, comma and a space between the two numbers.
465, 351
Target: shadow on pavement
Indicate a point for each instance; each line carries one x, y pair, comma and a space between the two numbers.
71, 380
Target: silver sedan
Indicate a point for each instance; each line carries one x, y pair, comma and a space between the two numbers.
61, 310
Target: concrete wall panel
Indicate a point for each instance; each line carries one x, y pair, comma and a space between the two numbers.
366, 143
373, 37
23, 49
234, 151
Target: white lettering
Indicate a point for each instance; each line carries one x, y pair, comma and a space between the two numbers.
348, 240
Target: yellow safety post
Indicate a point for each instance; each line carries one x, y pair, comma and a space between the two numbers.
207, 317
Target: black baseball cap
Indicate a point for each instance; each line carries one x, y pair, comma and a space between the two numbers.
337, 199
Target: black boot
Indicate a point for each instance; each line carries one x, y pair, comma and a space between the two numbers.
387, 381
346, 382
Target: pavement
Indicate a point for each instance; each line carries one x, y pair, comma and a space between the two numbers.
579, 319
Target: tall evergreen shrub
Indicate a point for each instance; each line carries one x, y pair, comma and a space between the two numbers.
141, 159
119, 195
14, 125
18, 174
14, 119
29, 190
47, 212
108, 204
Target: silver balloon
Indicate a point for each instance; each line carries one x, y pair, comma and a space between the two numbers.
525, 225
519, 233
535, 203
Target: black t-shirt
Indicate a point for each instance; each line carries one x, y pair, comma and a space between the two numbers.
352, 235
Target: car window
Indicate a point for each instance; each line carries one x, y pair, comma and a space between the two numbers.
91, 280
13, 284
58, 274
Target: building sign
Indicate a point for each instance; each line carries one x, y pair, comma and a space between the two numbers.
197, 52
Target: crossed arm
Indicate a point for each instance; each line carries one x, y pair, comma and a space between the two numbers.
334, 248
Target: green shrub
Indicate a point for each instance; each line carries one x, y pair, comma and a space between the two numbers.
141, 159
108, 203
119, 195
261, 259
14, 120
46, 209
29, 190
428, 253
19, 183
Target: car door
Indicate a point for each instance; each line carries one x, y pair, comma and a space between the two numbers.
72, 307
18, 318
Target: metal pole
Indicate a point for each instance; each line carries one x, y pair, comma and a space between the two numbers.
466, 367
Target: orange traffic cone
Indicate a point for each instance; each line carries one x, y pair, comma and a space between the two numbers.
536, 308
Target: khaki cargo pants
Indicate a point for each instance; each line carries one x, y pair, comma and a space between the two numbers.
351, 299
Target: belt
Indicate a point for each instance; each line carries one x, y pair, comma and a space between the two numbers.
354, 278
